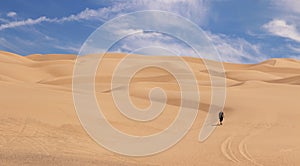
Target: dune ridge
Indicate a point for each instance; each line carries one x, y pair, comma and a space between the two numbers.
39, 125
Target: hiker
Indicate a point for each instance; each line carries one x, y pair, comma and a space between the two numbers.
221, 117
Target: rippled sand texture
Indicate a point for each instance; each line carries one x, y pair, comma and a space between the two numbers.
39, 125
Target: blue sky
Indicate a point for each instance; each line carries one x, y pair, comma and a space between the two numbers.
247, 31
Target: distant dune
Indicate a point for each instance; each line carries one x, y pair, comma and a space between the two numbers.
39, 125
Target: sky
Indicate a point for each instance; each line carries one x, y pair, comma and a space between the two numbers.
247, 31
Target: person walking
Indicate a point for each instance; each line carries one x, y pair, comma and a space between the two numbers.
221, 117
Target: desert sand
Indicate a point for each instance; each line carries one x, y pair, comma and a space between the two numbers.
39, 125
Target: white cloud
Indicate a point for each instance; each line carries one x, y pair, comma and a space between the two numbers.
288, 5
296, 49
122, 32
101, 14
196, 10
236, 50
3, 20
86, 14
25, 22
11, 14
281, 28
152, 43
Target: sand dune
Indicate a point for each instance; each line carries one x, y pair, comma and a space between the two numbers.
39, 125
289, 80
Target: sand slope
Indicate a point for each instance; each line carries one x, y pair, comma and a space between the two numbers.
39, 126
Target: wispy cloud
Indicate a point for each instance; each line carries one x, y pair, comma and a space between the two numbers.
294, 56
69, 48
6, 45
236, 50
281, 28
288, 5
296, 49
3, 20
29, 21
152, 43
11, 14
86, 14
194, 9
232, 49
